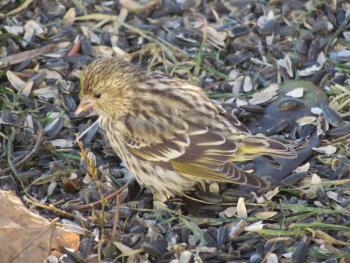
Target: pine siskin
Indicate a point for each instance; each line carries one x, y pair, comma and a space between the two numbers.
169, 134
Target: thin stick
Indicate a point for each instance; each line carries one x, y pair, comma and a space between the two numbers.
25, 55
116, 216
99, 202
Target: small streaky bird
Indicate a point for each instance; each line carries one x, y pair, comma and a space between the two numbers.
168, 133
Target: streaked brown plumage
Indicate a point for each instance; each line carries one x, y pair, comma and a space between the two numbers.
169, 134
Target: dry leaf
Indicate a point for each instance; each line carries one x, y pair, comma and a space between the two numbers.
35, 235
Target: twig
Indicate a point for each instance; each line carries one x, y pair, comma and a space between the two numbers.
50, 207
25, 55
116, 216
99, 202
30, 154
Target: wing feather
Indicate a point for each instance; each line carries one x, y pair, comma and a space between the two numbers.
197, 153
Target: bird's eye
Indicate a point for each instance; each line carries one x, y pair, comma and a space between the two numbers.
97, 95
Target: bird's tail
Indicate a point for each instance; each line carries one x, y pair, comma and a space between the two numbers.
250, 147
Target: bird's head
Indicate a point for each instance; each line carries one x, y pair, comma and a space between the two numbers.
104, 86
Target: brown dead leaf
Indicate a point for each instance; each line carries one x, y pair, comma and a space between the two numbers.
35, 235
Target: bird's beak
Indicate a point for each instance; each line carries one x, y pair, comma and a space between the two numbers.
87, 103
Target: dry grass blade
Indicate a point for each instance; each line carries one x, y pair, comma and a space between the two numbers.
19, 9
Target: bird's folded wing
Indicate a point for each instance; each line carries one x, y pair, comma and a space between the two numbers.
196, 152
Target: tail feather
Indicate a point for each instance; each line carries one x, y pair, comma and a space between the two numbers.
250, 147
